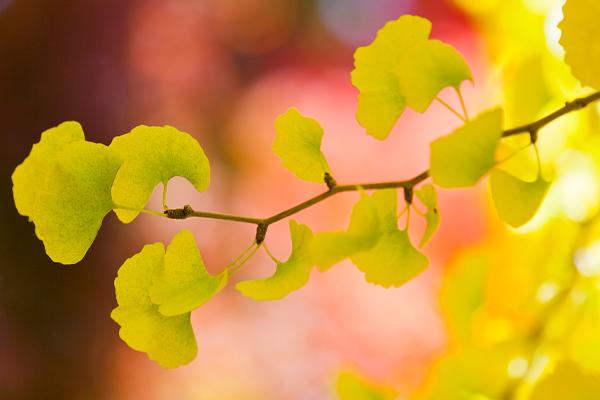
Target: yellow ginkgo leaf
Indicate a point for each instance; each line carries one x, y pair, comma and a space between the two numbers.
298, 144
581, 40
516, 201
463, 157
30, 176
400, 68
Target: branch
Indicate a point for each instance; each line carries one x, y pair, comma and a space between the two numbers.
263, 223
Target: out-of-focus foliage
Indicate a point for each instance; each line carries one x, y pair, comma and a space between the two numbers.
350, 386
580, 35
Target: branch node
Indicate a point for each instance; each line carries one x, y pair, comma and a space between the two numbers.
179, 213
261, 232
533, 135
330, 181
408, 194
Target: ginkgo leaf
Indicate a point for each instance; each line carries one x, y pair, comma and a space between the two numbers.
392, 261
329, 248
154, 155
350, 386
580, 37
463, 157
184, 284
298, 144
402, 67
428, 68
290, 275
69, 210
169, 341
567, 381
427, 195
516, 201
30, 176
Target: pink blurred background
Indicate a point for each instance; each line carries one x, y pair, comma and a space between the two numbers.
221, 70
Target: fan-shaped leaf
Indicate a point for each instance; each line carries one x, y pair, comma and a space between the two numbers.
516, 201
580, 38
392, 261
184, 284
69, 210
298, 144
463, 157
154, 155
290, 275
168, 340
402, 67
329, 248
30, 176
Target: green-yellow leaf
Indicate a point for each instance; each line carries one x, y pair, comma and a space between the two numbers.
427, 69
463, 157
393, 261
567, 381
427, 195
298, 144
154, 155
69, 211
516, 201
30, 176
350, 386
329, 248
402, 67
169, 341
184, 284
580, 39
290, 275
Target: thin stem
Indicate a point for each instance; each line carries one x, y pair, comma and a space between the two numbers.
144, 210
244, 261
407, 216
240, 256
571, 106
226, 217
164, 196
462, 104
451, 109
535, 126
264, 245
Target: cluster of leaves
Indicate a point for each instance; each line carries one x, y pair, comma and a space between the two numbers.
67, 185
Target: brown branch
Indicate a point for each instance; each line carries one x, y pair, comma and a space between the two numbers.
263, 223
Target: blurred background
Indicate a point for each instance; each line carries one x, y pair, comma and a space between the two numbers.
222, 70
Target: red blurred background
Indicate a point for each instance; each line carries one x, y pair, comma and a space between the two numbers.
221, 70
